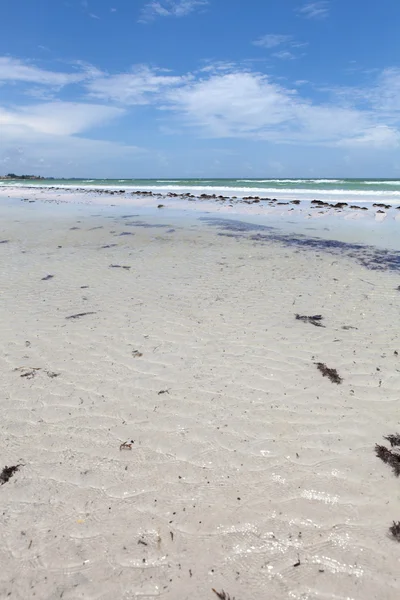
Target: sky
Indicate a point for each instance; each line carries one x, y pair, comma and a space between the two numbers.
200, 88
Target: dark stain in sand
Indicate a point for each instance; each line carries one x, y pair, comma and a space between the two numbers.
108, 246
146, 225
376, 259
4, 241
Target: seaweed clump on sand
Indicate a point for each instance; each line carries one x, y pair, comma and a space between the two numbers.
390, 457
395, 530
222, 595
314, 319
7, 473
393, 439
332, 374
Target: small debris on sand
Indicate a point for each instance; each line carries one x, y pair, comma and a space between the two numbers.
47, 277
160, 206
136, 353
163, 392
222, 595
119, 267
395, 530
314, 320
4, 241
8, 472
51, 374
126, 445
28, 372
143, 543
79, 315
331, 373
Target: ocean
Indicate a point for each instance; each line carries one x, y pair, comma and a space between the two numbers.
364, 190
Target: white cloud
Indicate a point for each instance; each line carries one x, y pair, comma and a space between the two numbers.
315, 10
380, 136
24, 150
386, 94
58, 118
14, 70
93, 16
141, 86
221, 100
170, 8
284, 55
250, 105
382, 95
271, 40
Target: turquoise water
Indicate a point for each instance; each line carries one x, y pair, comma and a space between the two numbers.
369, 190
350, 185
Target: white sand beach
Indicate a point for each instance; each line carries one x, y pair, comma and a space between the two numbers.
248, 471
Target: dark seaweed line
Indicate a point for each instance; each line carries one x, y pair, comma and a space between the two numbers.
372, 258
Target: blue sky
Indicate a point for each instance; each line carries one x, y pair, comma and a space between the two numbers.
200, 88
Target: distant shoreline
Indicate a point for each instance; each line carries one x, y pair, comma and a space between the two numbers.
22, 178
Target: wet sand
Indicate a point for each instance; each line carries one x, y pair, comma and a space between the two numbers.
245, 468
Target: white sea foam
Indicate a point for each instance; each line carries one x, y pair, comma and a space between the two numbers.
359, 195
381, 183
291, 180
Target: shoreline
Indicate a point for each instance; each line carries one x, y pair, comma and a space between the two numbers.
363, 223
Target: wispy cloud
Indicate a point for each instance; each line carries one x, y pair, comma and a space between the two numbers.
85, 6
271, 40
220, 101
59, 118
286, 42
315, 10
140, 86
169, 8
284, 55
251, 105
15, 70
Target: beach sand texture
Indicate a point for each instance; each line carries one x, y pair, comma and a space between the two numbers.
249, 471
